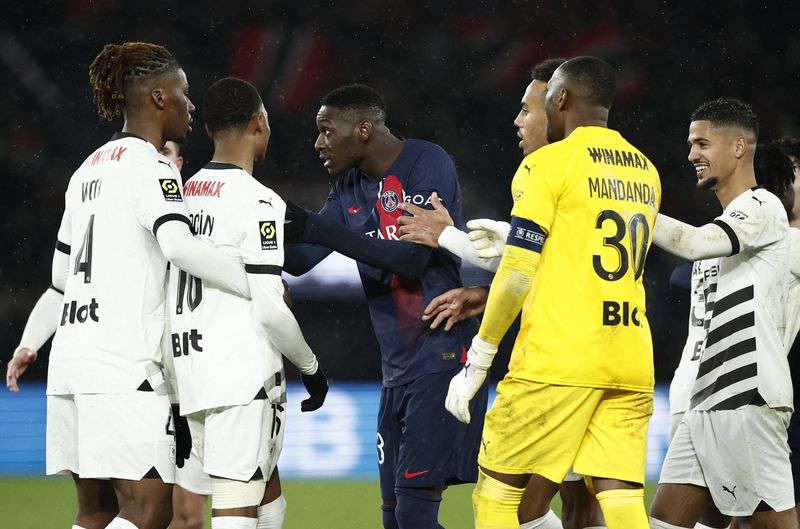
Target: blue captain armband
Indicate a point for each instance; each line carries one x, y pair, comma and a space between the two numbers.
526, 234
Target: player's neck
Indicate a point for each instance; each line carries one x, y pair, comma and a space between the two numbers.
147, 129
590, 117
734, 186
383, 150
795, 223
234, 153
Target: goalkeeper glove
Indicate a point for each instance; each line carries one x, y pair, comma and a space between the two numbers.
465, 384
488, 236
317, 386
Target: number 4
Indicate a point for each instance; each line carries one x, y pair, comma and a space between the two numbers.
81, 264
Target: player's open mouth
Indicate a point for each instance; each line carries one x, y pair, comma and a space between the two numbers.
325, 161
700, 169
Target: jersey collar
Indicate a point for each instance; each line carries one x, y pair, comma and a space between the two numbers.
120, 135
221, 165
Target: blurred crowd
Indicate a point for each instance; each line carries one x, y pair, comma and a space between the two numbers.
452, 72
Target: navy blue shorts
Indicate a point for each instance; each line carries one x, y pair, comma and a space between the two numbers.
794, 446
420, 444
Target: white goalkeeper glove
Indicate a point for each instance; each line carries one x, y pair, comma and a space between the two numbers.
466, 383
488, 236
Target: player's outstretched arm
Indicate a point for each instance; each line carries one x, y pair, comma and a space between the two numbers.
300, 258
424, 226
398, 257
456, 305
200, 258
285, 334
434, 228
691, 242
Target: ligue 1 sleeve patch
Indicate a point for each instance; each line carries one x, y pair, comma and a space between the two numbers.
171, 190
526, 234
269, 235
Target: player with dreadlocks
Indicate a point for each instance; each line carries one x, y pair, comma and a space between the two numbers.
108, 408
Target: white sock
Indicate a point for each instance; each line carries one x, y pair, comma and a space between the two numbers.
271, 515
548, 521
698, 525
120, 523
233, 522
655, 523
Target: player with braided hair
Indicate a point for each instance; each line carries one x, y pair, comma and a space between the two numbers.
108, 401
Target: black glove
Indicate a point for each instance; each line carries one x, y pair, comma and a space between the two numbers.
317, 387
294, 226
183, 438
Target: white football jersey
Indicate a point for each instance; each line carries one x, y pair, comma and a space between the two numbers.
221, 352
111, 324
681, 385
744, 357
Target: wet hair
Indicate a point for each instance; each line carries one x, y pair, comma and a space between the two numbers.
728, 112
118, 68
230, 103
773, 169
360, 98
790, 146
592, 78
544, 70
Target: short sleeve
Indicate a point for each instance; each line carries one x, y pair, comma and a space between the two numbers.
532, 191
64, 240
261, 225
751, 222
158, 196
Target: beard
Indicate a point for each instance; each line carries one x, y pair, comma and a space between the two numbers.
707, 183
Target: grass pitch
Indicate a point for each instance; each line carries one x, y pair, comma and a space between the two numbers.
35, 503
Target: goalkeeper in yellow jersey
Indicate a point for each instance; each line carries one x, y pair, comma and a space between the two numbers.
578, 393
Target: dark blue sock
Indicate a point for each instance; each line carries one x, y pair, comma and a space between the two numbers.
389, 520
416, 509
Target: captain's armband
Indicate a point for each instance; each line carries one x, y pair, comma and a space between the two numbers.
526, 234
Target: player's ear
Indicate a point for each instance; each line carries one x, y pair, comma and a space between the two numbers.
209, 132
561, 99
157, 95
740, 146
363, 130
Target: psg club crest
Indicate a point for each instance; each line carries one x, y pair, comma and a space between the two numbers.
389, 201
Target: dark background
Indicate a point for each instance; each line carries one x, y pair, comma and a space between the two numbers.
452, 72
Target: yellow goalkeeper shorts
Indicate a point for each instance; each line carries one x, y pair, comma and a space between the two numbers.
535, 428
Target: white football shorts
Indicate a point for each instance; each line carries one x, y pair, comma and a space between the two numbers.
103, 436
234, 442
741, 456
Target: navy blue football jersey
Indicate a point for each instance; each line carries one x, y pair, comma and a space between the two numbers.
409, 348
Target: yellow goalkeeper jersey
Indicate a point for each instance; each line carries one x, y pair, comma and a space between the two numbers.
595, 197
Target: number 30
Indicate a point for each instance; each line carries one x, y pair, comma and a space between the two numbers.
639, 234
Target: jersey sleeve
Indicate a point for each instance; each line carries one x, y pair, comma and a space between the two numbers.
534, 190
261, 227
158, 196
535, 200
64, 237
749, 223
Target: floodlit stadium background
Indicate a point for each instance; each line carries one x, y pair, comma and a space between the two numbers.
452, 72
